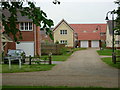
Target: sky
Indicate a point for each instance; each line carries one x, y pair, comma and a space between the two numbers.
77, 11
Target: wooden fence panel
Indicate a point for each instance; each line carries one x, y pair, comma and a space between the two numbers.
55, 49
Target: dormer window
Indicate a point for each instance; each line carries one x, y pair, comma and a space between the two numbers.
26, 26
84, 31
63, 31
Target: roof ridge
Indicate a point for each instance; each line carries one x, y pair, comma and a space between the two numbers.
63, 20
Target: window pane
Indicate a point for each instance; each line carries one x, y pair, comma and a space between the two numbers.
30, 26
60, 31
116, 42
21, 26
26, 26
65, 31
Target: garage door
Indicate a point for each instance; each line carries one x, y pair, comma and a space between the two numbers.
84, 44
95, 43
28, 47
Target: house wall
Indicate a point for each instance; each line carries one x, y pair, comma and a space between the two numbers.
108, 38
27, 36
117, 38
68, 36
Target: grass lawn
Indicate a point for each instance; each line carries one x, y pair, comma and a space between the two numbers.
55, 87
25, 68
64, 56
108, 60
59, 57
107, 52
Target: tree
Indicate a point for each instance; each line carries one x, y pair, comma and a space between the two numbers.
117, 28
32, 12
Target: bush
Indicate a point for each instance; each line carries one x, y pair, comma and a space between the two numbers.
63, 50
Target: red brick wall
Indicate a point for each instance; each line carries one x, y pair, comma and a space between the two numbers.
37, 43
26, 35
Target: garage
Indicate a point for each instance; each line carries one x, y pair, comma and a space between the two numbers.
84, 44
95, 43
28, 47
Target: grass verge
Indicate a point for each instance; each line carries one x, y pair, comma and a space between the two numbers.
54, 88
64, 56
26, 68
107, 52
108, 60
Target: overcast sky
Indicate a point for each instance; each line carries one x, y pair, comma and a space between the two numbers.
77, 11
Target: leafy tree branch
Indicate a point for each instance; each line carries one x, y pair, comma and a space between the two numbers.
117, 28
32, 12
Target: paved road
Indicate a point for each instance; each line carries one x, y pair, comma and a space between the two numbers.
83, 68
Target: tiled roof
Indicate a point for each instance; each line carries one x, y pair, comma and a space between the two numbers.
19, 16
88, 31
60, 23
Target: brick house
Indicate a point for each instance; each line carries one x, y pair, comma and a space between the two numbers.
88, 36
30, 33
80, 35
44, 37
109, 36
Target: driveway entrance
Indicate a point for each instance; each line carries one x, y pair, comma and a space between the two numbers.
83, 69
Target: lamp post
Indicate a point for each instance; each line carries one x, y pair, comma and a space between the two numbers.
56, 2
98, 26
113, 39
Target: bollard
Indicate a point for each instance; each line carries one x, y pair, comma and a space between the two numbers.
20, 62
114, 58
50, 58
30, 60
9, 63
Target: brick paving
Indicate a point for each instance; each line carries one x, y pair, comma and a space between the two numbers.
83, 69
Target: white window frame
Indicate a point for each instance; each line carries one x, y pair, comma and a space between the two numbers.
63, 42
24, 27
117, 42
63, 32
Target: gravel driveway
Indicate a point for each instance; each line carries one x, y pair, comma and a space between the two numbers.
83, 68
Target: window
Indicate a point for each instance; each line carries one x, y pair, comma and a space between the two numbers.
84, 31
94, 31
102, 33
117, 42
63, 41
26, 26
63, 31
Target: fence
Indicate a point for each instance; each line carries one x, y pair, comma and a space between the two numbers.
39, 60
55, 49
